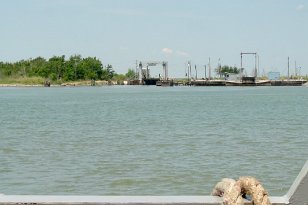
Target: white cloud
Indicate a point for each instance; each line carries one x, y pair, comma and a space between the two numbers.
167, 51
123, 48
182, 53
300, 7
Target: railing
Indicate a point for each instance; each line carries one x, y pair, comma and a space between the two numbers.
297, 195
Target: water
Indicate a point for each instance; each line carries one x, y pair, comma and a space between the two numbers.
149, 140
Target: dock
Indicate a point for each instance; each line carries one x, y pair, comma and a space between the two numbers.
248, 82
208, 83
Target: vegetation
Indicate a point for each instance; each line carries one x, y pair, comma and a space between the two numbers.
23, 80
58, 70
225, 70
131, 74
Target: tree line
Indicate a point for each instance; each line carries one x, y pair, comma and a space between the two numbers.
57, 68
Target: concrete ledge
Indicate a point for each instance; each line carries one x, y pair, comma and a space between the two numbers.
115, 200
298, 192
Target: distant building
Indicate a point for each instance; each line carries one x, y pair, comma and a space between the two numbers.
232, 76
273, 75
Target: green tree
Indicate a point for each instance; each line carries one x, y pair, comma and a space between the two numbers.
6, 69
118, 77
71, 68
131, 74
91, 68
224, 70
37, 67
107, 73
55, 67
21, 68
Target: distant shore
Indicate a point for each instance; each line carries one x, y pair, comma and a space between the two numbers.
69, 84
85, 84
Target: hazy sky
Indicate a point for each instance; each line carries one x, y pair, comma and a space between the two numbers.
119, 32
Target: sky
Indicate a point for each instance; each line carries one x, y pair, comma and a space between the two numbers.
119, 32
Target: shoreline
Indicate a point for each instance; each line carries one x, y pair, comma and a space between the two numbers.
66, 84
20, 85
194, 83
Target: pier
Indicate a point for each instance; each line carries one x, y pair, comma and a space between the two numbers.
208, 82
248, 82
297, 195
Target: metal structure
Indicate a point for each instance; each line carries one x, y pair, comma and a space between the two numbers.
145, 64
256, 55
210, 68
189, 71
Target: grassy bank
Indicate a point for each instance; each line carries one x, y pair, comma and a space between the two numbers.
22, 81
38, 81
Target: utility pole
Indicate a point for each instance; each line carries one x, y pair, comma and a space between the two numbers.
136, 69
219, 67
196, 71
188, 74
288, 68
241, 75
210, 68
204, 72
189, 71
256, 65
258, 72
295, 69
